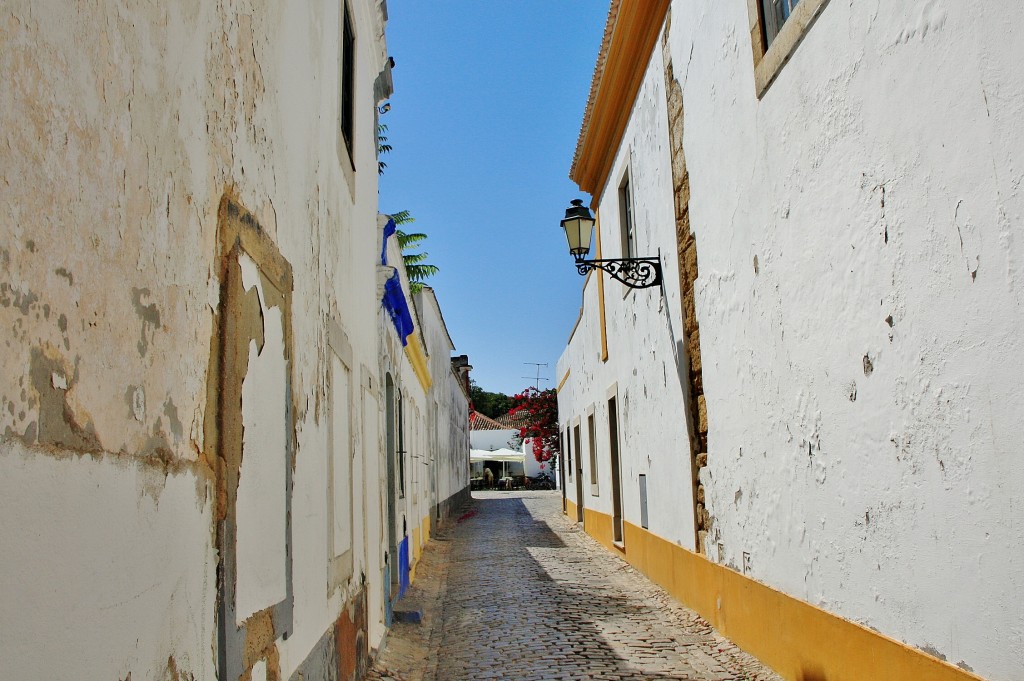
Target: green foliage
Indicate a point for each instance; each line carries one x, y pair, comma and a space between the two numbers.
382, 147
416, 266
488, 403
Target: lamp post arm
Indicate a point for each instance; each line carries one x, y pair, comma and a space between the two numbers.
633, 272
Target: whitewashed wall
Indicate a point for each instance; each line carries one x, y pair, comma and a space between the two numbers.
125, 126
448, 436
453, 435
393, 362
436, 425
860, 306
533, 467
646, 366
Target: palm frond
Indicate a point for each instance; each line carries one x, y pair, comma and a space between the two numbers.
403, 217
415, 266
382, 147
407, 240
421, 272
413, 258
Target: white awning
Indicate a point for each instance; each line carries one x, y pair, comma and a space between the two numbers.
496, 455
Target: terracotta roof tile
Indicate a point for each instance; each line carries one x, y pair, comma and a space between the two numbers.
478, 421
510, 421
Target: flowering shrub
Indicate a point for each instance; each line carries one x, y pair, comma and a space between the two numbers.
538, 410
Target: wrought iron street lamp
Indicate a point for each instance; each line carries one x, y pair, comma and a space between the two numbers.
579, 231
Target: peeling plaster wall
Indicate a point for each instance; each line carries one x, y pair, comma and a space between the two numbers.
448, 407
123, 128
860, 305
261, 544
408, 389
647, 365
414, 505
436, 427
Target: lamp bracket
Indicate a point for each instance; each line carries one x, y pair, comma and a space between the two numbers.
633, 272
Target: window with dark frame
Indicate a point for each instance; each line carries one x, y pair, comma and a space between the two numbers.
567, 447
348, 77
401, 446
616, 473
592, 441
626, 218
774, 14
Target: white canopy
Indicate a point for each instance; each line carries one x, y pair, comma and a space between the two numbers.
496, 455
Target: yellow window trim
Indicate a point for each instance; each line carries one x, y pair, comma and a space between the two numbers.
562, 382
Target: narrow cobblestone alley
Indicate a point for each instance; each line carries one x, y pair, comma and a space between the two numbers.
513, 590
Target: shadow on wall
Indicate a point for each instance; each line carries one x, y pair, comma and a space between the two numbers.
812, 675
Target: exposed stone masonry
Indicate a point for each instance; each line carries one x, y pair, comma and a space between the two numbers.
687, 254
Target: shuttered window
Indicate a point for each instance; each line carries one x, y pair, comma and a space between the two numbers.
348, 77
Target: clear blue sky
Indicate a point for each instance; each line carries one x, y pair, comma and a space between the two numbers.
488, 101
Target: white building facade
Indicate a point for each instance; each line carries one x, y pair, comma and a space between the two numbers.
193, 413
813, 437
425, 429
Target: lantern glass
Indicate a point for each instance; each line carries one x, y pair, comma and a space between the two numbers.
579, 229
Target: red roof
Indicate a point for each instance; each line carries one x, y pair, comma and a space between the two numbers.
478, 421
509, 421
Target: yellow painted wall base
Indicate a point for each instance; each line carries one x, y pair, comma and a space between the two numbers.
414, 559
570, 509
418, 540
599, 526
798, 640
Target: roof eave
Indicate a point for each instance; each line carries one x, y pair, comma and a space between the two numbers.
630, 35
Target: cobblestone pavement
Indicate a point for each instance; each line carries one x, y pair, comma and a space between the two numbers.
514, 590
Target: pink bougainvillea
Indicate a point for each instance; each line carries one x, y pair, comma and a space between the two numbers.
538, 411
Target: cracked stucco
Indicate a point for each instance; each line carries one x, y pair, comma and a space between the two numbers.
123, 128
859, 303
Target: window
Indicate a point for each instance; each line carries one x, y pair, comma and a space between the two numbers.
339, 482
626, 218
775, 13
592, 437
348, 77
613, 451
400, 454
776, 28
254, 388
567, 447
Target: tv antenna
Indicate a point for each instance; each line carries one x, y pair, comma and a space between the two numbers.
538, 378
